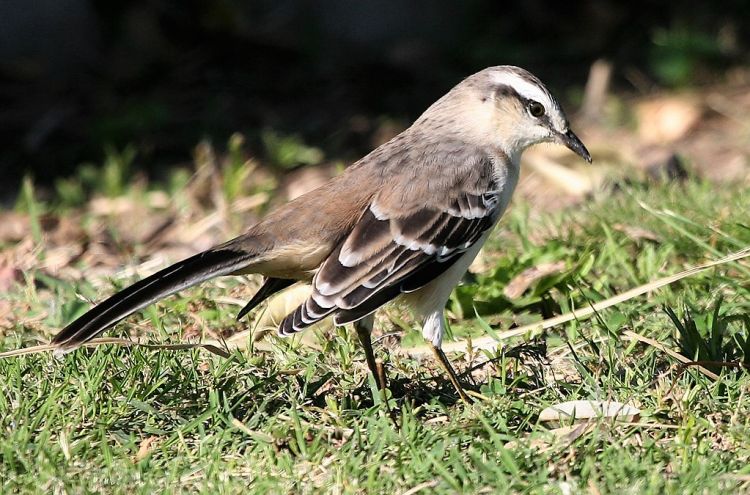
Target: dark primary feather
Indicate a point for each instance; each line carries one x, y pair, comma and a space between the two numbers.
181, 275
388, 254
419, 278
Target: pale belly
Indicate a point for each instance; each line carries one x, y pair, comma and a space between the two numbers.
433, 296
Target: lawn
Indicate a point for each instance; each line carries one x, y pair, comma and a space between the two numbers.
301, 417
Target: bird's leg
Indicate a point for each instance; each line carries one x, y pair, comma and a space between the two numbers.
452, 376
364, 329
433, 329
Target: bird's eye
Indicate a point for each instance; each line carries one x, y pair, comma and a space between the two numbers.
536, 109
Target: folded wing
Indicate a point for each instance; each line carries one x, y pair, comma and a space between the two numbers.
390, 252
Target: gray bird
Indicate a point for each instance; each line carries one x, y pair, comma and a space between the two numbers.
404, 222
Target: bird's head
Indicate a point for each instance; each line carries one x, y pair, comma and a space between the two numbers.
505, 106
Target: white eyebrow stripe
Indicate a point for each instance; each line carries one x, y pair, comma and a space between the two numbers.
524, 88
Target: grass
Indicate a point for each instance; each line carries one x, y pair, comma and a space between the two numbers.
302, 419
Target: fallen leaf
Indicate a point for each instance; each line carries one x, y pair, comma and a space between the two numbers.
145, 448
59, 257
14, 226
637, 233
576, 180
525, 279
6, 314
667, 119
581, 410
63, 230
9, 273
305, 180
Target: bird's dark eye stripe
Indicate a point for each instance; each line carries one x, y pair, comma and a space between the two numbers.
534, 108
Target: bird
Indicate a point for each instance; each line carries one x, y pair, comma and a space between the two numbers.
402, 223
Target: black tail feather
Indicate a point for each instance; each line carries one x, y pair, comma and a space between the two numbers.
270, 286
181, 275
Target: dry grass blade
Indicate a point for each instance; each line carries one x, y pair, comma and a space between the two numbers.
212, 347
489, 343
427, 485
629, 334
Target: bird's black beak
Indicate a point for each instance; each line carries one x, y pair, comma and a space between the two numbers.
570, 140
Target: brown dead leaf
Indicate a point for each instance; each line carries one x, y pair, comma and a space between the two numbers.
6, 313
57, 258
20, 258
573, 179
523, 281
667, 119
135, 220
9, 273
637, 233
145, 448
437, 420
64, 230
14, 226
305, 180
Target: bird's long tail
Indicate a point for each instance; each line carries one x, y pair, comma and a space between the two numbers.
181, 275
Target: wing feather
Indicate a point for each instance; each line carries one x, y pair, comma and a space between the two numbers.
391, 252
